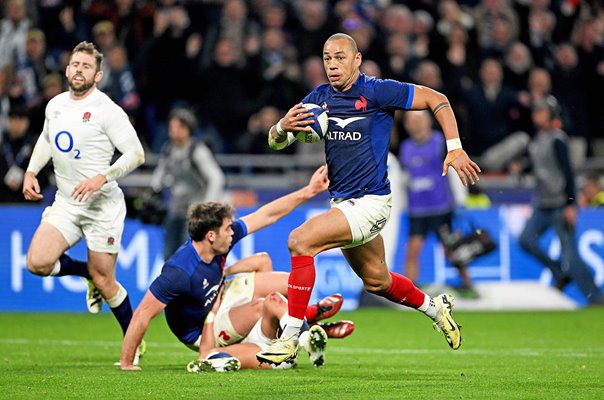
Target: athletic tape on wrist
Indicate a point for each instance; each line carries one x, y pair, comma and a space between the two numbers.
280, 131
453, 144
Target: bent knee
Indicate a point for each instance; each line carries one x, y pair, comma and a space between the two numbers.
298, 244
376, 286
39, 265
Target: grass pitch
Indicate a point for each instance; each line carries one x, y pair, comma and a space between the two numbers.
391, 355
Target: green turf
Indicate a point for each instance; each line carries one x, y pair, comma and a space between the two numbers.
391, 355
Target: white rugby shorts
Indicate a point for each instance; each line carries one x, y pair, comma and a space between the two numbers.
237, 291
101, 222
257, 337
366, 216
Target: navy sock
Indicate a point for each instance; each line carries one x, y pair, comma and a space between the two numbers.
305, 327
123, 314
69, 266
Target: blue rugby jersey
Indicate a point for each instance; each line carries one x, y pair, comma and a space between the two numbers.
188, 286
429, 192
360, 121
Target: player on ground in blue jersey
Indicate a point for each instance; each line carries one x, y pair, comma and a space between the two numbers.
360, 110
191, 279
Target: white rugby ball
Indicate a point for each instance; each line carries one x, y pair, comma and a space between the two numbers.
318, 128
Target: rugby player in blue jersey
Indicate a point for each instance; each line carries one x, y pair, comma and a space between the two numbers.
360, 110
191, 279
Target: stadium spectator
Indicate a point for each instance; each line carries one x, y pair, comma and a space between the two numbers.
82, 130
362, 107
253, 141
554, 204
17, 144
186, 172
36, 65
226, 86
165, 54
569, 87
121, 84
13, 32
279, 69
491, 107
52, 85
312, 27
591, 194
191, 278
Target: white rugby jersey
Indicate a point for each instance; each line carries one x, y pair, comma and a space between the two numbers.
83, 135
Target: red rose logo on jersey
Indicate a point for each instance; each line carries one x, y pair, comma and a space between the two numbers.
110, 241
86, 118
361, 104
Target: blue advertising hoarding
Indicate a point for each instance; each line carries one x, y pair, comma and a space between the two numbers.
140, 259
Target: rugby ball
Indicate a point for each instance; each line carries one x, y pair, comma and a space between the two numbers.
318, 128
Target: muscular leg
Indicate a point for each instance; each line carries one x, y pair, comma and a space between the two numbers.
368, 262
268, 282
244, 317
323, 232
102, 271
47, 246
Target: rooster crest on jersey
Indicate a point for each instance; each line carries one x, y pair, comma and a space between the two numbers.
318, 128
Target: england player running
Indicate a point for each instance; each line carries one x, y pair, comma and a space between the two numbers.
82, 129
361, 110
191, 279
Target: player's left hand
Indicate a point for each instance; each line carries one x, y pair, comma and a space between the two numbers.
85, 189
466, 169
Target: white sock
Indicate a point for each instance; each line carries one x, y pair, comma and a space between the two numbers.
118, 298
56, 269
428, 307
292, 328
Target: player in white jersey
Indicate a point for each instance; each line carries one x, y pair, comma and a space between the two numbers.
360, 110
82, 129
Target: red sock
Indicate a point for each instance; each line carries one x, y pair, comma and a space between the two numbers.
403, 291
311, 312
300, 284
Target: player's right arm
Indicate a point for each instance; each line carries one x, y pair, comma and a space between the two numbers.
281, 134
39, 158
149, 307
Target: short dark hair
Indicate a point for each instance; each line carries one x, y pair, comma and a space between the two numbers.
18, 111
207, 216
89, 48
348, 38
185, 116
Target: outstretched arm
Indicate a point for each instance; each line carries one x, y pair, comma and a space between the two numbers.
149, 307
277, 209
425, 98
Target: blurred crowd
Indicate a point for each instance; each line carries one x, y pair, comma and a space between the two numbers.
238, 65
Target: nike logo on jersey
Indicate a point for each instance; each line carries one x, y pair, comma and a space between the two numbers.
344, 122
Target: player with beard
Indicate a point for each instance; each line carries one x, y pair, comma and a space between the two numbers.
82, 129
361, 110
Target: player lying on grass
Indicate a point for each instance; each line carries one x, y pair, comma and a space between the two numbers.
249, 316
191, 279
